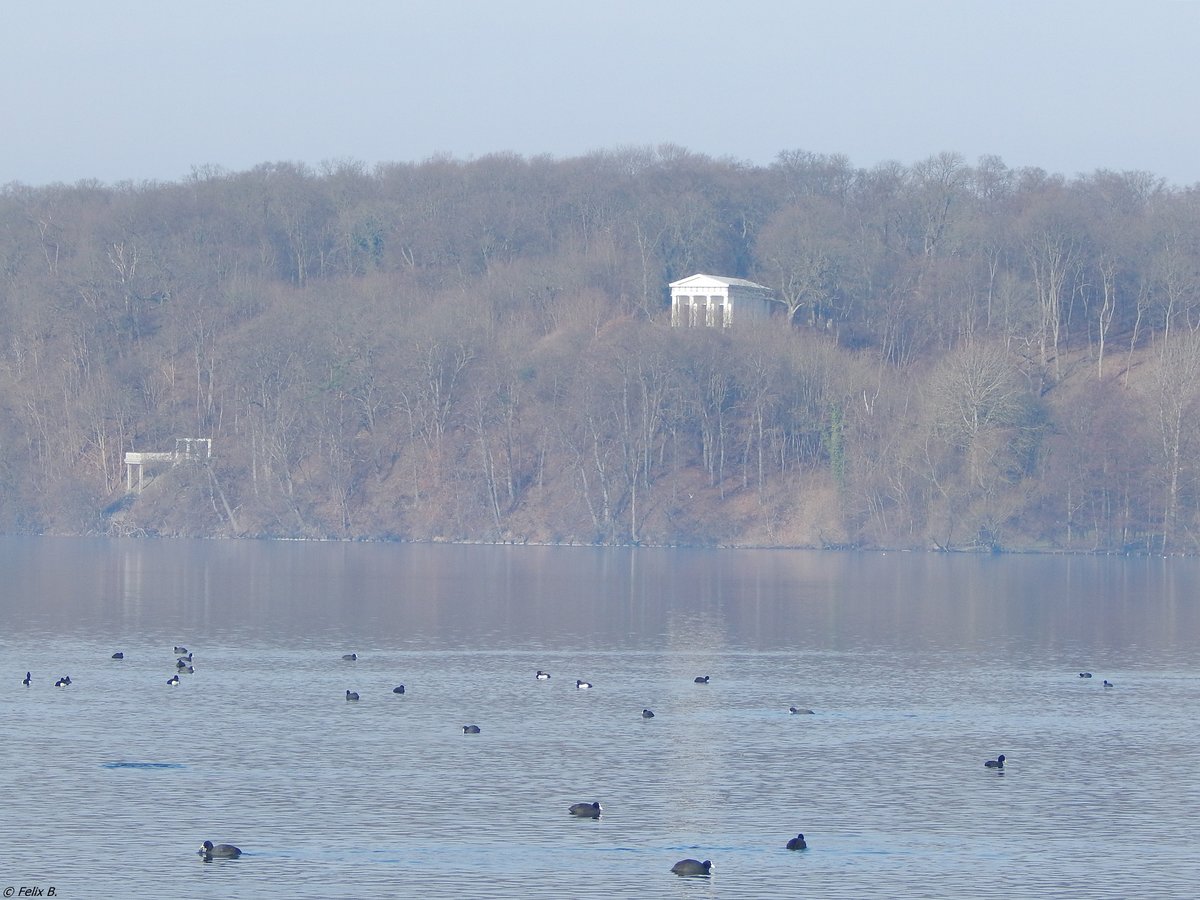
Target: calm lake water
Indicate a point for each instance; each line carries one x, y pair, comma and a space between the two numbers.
917, 669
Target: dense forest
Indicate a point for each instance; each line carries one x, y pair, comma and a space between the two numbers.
965, 356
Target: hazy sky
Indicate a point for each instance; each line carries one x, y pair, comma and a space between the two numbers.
146, 89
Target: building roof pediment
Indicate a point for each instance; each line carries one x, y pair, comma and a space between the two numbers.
700, 280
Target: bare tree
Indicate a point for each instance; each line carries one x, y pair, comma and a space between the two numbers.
1176, 393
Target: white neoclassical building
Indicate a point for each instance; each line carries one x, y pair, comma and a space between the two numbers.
716, 301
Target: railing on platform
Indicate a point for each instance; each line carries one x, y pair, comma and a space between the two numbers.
186, 450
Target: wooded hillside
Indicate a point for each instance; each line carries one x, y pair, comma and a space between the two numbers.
976, 357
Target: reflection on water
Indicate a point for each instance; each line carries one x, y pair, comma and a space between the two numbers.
445, 595
917, 667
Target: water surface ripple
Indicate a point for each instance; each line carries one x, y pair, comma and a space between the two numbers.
917, 668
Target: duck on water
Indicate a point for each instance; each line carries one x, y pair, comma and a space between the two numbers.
211, 851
